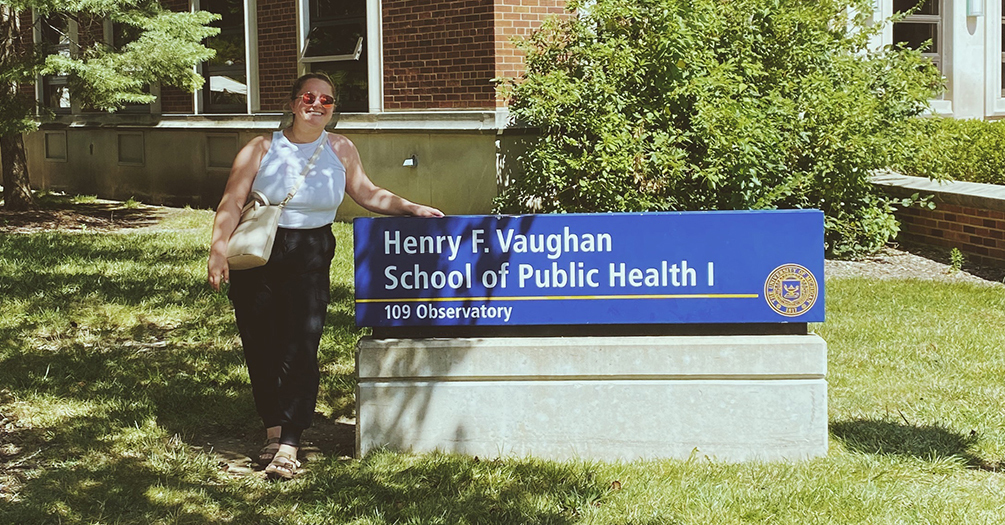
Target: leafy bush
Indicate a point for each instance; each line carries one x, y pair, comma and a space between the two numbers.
966, 150
708, 104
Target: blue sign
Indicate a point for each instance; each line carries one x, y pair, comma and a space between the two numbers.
622, 268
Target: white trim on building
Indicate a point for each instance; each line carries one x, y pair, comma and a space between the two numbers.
251, 54
971, 53
375, 50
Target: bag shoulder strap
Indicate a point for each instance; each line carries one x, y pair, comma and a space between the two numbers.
307, 168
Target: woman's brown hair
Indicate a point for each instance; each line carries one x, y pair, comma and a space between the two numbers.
299, 83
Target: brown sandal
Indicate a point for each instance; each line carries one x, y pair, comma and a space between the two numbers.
268, 452
283, 467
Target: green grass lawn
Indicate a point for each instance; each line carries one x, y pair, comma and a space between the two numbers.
118, 365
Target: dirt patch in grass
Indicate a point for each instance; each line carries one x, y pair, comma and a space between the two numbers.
325, 438
100, 216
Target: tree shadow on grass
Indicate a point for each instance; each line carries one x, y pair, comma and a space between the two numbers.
895, 438
450, 488
119, 480
113, 480
130, 407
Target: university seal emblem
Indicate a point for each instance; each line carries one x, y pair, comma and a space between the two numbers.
790, 290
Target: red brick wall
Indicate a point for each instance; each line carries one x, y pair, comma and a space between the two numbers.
977, 232
176, 100
445, 53
438, 54
518, 18
26, 33
277, 52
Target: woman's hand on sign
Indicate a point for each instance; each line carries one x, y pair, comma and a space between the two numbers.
424, 211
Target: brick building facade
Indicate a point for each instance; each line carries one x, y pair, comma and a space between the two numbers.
416, 75
434, 54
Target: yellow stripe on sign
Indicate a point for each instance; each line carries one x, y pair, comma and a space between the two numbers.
563, 298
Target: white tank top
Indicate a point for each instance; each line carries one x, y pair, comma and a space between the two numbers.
322, 191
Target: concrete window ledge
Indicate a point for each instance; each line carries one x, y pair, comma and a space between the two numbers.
465, 121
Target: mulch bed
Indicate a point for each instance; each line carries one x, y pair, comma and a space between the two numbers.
916, 262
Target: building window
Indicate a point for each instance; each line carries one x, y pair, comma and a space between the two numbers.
55, 38
120, 36
336, 45
1002, 43
922, 29
226, 87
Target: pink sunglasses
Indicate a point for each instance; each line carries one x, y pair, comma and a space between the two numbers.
327, 101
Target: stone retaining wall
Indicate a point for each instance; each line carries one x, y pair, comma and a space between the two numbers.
968, 216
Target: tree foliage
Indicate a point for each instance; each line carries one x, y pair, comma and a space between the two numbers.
715, 104
164, 47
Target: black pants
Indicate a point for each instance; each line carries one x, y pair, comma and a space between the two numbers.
280, 310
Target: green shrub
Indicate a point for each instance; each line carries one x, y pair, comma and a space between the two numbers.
707, 104
946, 148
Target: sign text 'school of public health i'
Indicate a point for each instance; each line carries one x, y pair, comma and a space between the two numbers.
623, 268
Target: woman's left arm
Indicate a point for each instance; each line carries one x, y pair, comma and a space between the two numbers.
367, 194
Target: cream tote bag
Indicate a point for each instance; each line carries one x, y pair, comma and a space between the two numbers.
251, 243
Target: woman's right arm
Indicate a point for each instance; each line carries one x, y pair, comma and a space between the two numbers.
228, 213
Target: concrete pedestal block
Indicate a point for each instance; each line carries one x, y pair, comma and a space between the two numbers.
732, 398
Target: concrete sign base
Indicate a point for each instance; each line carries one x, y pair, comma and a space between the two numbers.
730, 398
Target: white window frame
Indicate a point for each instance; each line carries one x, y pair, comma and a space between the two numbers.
335, 58
884, 9
253, 99
251, 52
939, 20
995, 20
73, 50
374, 51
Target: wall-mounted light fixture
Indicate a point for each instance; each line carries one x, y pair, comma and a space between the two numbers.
411, 162
975, 7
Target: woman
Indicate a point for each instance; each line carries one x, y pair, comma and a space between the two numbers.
281, 307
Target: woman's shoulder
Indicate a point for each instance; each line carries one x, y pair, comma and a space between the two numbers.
338, 140
254, 151
343, 147
261, 143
